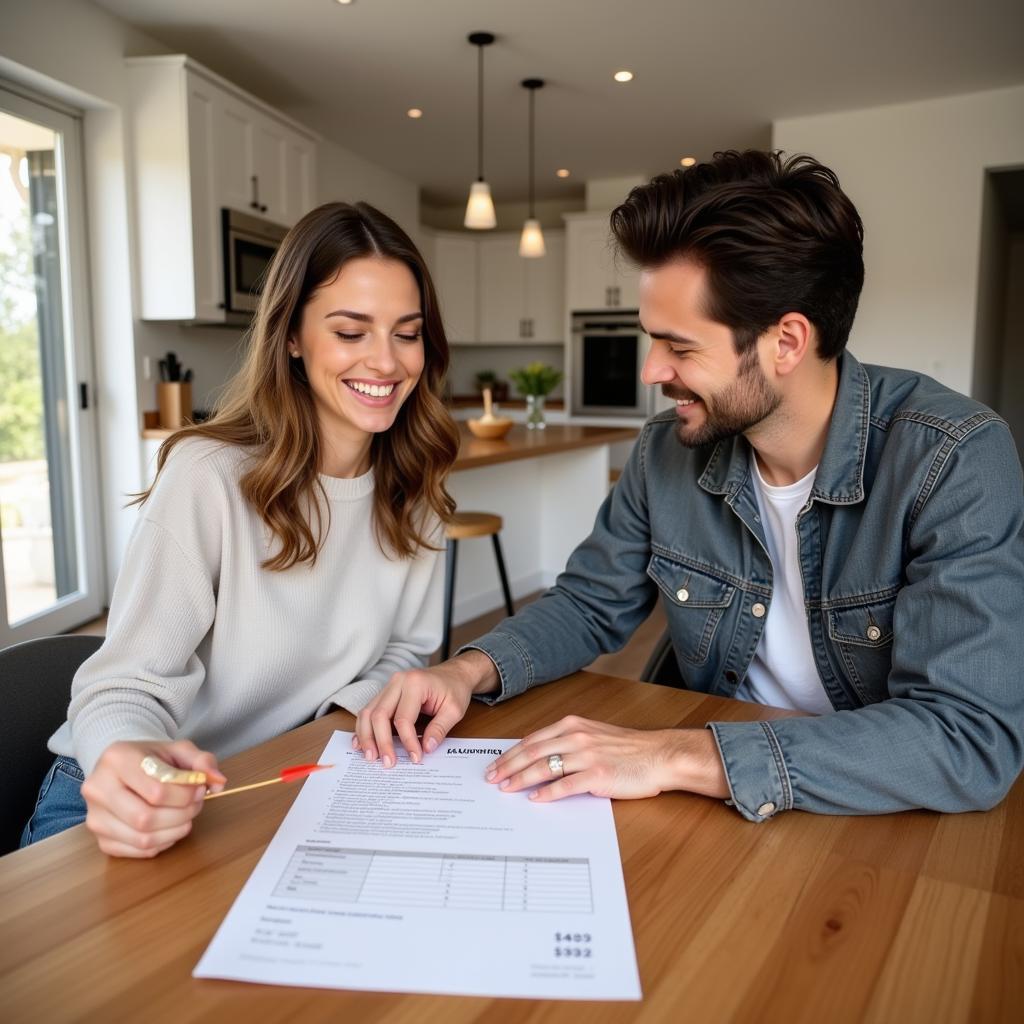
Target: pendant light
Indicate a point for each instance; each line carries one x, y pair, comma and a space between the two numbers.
531, 242
480, 207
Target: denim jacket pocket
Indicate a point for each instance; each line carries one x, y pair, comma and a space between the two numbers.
862, 636
697, 600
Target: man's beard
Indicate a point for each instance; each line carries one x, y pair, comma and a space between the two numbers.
740, 405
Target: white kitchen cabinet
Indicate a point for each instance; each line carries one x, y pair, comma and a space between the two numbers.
596, 277
452, 259
545, 290
521, 300
198, 145
266, 166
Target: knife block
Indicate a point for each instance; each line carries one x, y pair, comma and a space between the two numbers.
174, 402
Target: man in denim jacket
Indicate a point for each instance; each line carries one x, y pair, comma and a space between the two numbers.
843, 539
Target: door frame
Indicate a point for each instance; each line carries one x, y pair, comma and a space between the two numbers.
89, 600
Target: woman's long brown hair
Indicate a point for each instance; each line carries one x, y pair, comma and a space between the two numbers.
267, 407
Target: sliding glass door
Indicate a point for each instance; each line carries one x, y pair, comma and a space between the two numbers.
50, 538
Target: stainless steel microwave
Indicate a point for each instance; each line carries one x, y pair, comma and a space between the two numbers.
249, 246
608, 352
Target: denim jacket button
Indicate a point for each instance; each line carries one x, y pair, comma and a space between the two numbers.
874, 632
682, 594
758, 610
765, 809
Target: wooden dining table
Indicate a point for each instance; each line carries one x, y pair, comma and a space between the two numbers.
902, 918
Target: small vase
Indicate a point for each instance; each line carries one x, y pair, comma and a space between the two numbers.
535, 412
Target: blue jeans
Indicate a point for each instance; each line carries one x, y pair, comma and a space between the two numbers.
60, 804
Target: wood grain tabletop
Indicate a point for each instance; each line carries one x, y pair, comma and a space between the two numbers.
895, 918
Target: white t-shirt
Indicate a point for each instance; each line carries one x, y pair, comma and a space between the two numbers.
783, 672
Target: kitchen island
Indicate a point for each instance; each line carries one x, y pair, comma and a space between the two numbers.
547, 485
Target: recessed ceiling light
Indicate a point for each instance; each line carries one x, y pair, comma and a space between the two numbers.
623, 76
345, 3
562, 172
415, 113
688, 161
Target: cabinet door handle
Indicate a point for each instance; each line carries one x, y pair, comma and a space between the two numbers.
522, 328
607, 296
255, 204
529, 327
618, 301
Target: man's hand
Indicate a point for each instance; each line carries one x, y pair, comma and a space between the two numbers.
443, 692
133, 815
607, 760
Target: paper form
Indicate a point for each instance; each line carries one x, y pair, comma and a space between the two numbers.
425, 878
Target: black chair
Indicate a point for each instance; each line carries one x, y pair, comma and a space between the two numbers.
662, 667
35, 687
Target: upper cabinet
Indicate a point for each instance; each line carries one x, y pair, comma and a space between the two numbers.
521, 299
596, 278
452, 259
199, 145
489, 294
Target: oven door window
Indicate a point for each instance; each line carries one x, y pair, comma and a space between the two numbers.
610, 375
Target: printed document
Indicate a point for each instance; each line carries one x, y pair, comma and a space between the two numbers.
426, 878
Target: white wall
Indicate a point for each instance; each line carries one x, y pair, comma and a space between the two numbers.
345, 176
916, 173
606, 193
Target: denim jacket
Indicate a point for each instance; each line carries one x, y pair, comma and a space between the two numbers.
911, 549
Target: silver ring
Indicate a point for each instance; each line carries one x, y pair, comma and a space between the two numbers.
556, 764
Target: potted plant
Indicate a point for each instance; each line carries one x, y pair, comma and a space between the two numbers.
489, 379
536, 381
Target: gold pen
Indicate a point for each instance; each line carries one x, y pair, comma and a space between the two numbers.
164, 772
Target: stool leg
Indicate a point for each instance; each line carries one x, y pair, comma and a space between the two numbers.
449, 597
502, 574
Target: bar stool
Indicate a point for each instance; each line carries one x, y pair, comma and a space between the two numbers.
463, 526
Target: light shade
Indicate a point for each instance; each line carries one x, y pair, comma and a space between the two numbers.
480, 208
531, 241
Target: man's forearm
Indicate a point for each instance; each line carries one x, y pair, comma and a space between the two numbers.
694, 764
478, 671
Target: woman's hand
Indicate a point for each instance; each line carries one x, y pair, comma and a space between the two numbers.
133, 815
607, 760
443, 692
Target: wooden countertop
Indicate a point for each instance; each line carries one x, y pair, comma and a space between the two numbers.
898, 917
520, 443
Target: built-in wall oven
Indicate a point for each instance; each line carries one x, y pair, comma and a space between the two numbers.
249, 246
608, 351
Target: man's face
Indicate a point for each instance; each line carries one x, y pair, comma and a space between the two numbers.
718, 394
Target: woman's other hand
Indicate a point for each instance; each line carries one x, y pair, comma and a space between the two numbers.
442, 692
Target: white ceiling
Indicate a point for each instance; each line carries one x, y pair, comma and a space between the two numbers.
709, 75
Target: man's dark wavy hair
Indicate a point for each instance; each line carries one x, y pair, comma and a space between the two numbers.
775, 236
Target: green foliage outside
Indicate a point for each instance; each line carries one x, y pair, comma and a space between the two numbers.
21, 393
536, 379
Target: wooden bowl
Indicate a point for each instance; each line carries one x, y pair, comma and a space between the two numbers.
491, 430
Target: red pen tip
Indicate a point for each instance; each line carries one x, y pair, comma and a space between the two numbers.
300, 771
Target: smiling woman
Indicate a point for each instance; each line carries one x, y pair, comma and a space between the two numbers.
286, 559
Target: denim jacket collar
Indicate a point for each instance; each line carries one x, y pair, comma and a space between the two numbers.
840, 476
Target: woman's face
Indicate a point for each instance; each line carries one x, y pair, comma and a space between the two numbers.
361, 342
